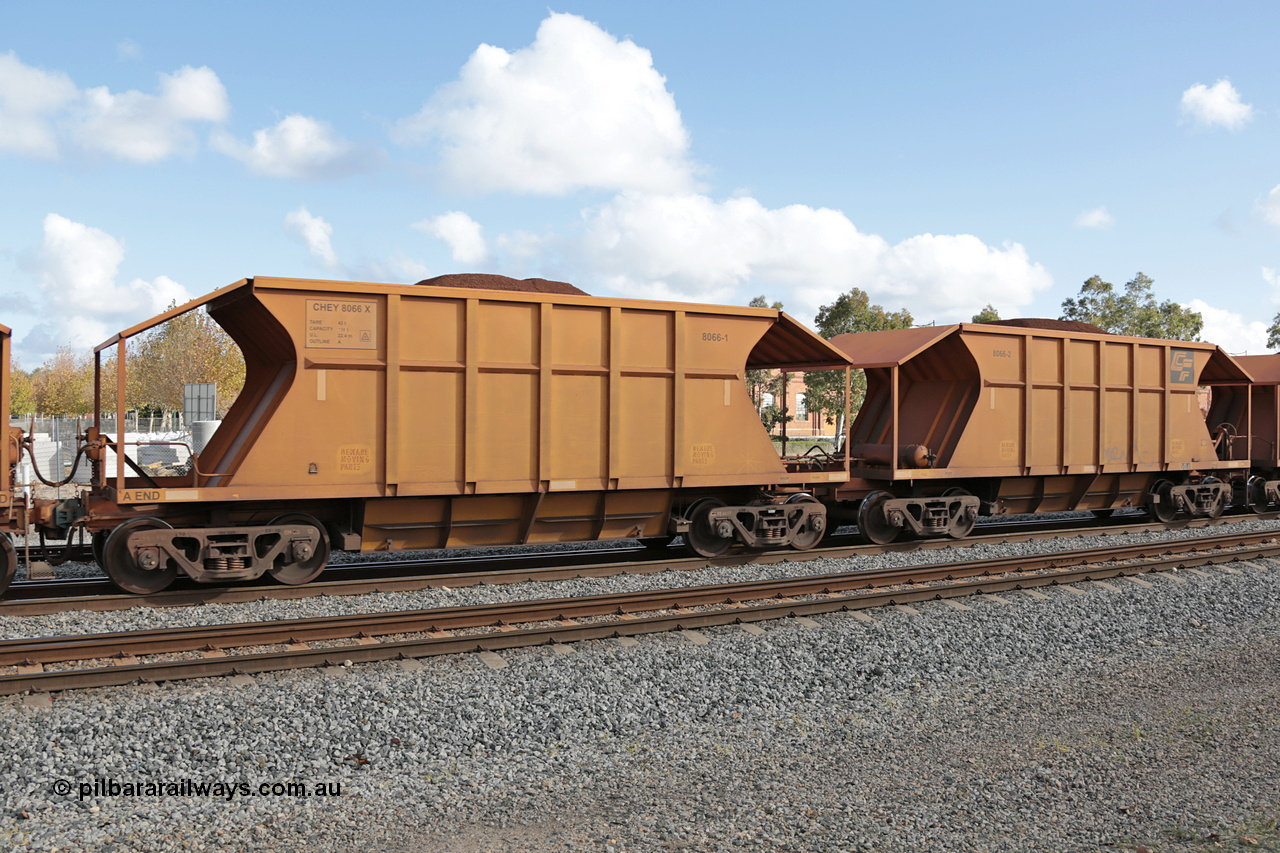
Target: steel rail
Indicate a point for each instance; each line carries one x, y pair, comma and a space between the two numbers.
727, 603
43, 597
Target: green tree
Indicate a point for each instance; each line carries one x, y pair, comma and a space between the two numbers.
1273, 334
851, 312
189, 348
762, 382
762, 301
22, 392
1135, 313
987, 315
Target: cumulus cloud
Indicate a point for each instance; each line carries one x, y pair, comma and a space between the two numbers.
40, 111
1217, 105
463, 234
1270, 207
146, 128
1098, 218
1230, 330
76, 268
298, 147
691, 247
30, 100
576, 109
314, 233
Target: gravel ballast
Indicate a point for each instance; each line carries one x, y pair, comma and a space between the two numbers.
1149, 715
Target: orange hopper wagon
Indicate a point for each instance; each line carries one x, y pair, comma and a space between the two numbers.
394, 417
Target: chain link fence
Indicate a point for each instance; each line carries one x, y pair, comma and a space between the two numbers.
55, 441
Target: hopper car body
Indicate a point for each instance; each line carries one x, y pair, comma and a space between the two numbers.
991, 419
1244, 419
397, 417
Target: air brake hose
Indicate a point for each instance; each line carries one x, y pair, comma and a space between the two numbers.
75, 466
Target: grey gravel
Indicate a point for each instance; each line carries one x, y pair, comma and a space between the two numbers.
1147, 716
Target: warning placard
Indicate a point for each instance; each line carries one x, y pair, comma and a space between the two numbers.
342, 324
355, 459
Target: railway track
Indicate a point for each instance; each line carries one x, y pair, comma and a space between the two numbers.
36, 597
78, 553
97, 660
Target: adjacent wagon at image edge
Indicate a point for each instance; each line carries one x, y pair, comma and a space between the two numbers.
1034, 416
13, 515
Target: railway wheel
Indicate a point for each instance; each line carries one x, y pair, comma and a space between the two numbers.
303, 570
1160, 501
813, 531
701, 536
1220, 505
872, 523
965, 522
8, 562
122, 566
99, 543
963, 525
1255, 491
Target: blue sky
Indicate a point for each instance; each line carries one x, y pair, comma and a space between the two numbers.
940, 156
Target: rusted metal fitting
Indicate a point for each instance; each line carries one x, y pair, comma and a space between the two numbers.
94, 444
302, 550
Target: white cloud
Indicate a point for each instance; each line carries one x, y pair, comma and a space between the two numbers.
76, 268
1230, 330
1097, 218
1218, 105
576, 109
315, 233
691, 247
30, 99
397, 271
298, 147
146, 128
128, 49
1270, 277
1270, 207
39, 111
463, 234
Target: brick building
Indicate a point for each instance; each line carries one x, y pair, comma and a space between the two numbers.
801, 423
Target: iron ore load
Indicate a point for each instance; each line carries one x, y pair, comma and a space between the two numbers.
478, 411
